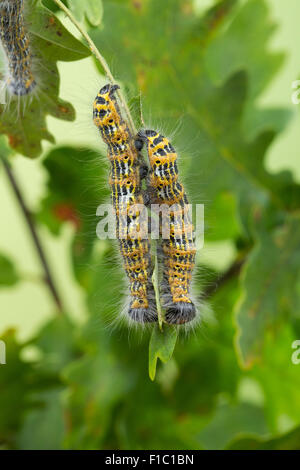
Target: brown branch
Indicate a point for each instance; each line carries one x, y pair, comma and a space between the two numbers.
29, 221
223, 278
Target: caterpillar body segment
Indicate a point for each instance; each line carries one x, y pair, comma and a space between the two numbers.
178, 250
126, 194
15, 42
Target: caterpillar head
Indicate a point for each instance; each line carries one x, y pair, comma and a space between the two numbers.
147, 135
108, 90
105, 112
157, 145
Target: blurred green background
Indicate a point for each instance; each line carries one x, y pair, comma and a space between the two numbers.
202, 398
283, 154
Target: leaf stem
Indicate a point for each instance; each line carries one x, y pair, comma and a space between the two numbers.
155, 282
100, 59
37, 243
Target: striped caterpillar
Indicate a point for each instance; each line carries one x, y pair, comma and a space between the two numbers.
15, 42
178, 252
125, 183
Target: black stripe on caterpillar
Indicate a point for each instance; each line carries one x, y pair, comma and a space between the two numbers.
178, 252
15, 42
125, 183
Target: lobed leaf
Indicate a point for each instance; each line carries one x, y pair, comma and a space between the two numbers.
91, 9
182, 85
23, 119
16, 395
44, 427
289, 441
161, 346
230, 421
269, 287
75, 189
8, 274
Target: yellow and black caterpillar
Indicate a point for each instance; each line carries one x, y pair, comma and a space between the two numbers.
178, 252
15, 42
125, 183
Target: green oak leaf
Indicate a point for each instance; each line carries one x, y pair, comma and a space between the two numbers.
44, 428
99, 379
56, 342
269, 287
75, 189
91, 9
183, 94
5, 150
24, 119
8, 274
279, 378
96, 382
242, 52
18, 381
289, 441
161, 346
230, 421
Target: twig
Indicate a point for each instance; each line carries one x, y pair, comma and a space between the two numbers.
155, 281
33, 232
229, 274
100, 58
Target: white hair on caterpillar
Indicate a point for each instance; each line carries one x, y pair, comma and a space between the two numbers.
15, 43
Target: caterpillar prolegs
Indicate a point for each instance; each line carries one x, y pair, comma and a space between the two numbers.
125, 183
178, 252
15, 42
